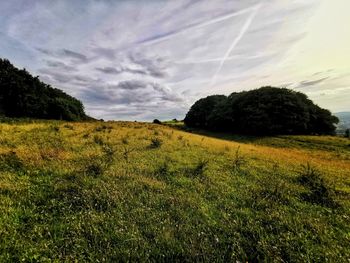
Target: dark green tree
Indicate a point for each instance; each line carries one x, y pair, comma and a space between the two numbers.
264, 111
22, 95
198, 115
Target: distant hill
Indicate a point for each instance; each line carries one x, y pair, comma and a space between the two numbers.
344, 121
22, 95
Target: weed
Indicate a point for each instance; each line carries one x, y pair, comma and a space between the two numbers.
10, 162
69, 127
125, 140
319, 191
272, 189
55, 128
126, 152
199, 169
155, 143
98, 140
103, 128
238, 160
109, 152
163, 170
94, 169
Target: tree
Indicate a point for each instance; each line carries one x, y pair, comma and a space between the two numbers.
156, 121
22, 95
264, 111
198, 115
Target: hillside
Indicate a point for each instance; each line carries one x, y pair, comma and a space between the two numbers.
22, 95
123, 191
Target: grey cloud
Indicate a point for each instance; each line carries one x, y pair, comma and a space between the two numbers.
312, 82
66, 77
59, 65
74, 55
108, 53
129, 92
83, 78
155, 67
57, 76
132, 84
45, 51
63, 53
109, 70
112, 70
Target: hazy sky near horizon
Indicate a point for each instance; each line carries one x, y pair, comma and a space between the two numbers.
139, 60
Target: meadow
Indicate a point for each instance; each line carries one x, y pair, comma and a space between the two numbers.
130, 191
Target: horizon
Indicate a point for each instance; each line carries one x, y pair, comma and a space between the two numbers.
130, 60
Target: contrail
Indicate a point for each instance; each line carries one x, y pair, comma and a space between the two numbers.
209, 60
235, 41
170, 34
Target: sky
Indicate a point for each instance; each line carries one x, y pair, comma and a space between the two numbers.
146, 59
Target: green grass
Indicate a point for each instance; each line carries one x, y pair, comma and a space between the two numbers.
119, 191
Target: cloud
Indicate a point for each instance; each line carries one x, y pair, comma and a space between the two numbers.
145, 59
59, 65
132, 84
108, 53
73, 54
109, 70
305, 83
155, 66
129, 92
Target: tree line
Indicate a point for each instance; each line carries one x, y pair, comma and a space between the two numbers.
263, 111
22, 95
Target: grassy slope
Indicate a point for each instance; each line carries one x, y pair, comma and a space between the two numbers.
104, 191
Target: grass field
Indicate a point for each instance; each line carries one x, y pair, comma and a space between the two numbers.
119, 191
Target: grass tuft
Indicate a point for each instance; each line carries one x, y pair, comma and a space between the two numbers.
155, 143
319, 191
